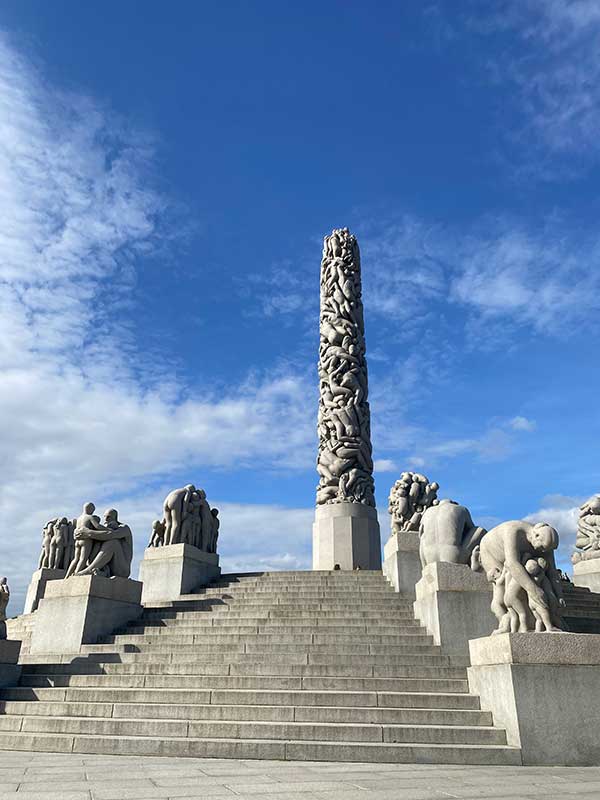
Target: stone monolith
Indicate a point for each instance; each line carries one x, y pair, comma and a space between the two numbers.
346, 530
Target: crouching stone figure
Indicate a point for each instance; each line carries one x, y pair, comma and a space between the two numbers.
447, 533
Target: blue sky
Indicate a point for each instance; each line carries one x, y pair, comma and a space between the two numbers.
166, 177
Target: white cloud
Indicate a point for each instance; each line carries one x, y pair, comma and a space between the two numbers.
384, 465
562, 513
519, 423
546, 53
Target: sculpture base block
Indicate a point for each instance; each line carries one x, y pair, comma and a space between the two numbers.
544, 689
81, 609
346, 534
176, 569
10, 670
401, 562
37, 586
453, 603
587, 573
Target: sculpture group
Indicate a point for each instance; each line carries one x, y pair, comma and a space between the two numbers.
588, 531
517, 557
344, 463
187, 519
410, 496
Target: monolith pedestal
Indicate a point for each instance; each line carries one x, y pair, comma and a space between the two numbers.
346, 531
587, 573
170, 571
346, 536
81, 609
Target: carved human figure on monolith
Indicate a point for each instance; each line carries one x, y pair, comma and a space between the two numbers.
588, 531
448, 533
518, 557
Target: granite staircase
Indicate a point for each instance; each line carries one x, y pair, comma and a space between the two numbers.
300, 666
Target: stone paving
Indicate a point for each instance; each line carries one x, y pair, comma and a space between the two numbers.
51, 776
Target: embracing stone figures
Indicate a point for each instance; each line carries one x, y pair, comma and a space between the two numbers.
346, 531
188, 519
105, 548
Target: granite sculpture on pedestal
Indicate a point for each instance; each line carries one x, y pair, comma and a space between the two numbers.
448, 533
410, 496
453, 595
182, 552
518, 558
588, 531
188, 519
101, 549
346, 531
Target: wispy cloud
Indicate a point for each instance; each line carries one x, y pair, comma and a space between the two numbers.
562, 512
79, 215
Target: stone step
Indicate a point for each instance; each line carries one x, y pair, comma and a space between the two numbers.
279, 630
156, 646
239, 661
264, 749
274, 624
246, 668
250, 682
156, 711
223, 613
236, 729
218, 637
437, 700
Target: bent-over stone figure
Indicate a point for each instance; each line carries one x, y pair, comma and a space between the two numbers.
409, 497
188, 519
447, 533
588, 531
523, 598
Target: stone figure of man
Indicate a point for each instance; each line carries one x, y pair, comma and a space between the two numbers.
4, 598
86, 522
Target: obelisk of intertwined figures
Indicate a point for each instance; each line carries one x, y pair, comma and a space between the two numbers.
346, 531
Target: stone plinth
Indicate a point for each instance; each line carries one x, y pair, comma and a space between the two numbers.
10, 671
544, 689
81, 609
453, 603
587, 573
346, 534
168, 572
37, 586
401, 562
